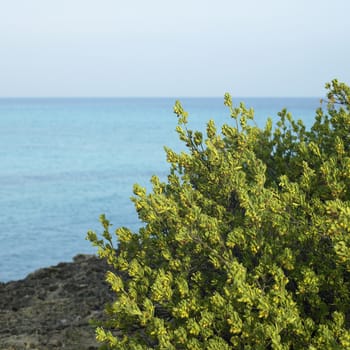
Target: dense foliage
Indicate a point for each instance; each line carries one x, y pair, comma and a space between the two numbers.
247, 243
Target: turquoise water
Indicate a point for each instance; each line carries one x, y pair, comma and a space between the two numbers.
66, 161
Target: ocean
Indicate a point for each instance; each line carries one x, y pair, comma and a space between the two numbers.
65, 161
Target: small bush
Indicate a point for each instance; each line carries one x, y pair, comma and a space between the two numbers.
247, 243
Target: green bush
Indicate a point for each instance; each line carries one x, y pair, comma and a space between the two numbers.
247, 243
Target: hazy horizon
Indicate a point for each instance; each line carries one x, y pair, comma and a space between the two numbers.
159, 49
153, 97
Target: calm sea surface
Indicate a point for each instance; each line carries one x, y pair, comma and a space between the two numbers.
66, 161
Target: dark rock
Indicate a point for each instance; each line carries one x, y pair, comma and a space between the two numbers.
52, 307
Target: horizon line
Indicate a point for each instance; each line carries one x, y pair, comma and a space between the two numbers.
148, 97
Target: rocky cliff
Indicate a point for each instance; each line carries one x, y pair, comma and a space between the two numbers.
52, 307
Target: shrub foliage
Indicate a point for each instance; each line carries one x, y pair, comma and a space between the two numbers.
247, 243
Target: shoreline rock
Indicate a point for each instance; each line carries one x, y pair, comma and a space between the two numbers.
52, 307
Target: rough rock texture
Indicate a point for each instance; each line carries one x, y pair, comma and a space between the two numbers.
51, 308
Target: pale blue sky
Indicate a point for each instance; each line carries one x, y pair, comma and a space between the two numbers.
172, 48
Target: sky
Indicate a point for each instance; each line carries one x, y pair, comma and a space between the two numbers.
156, 48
